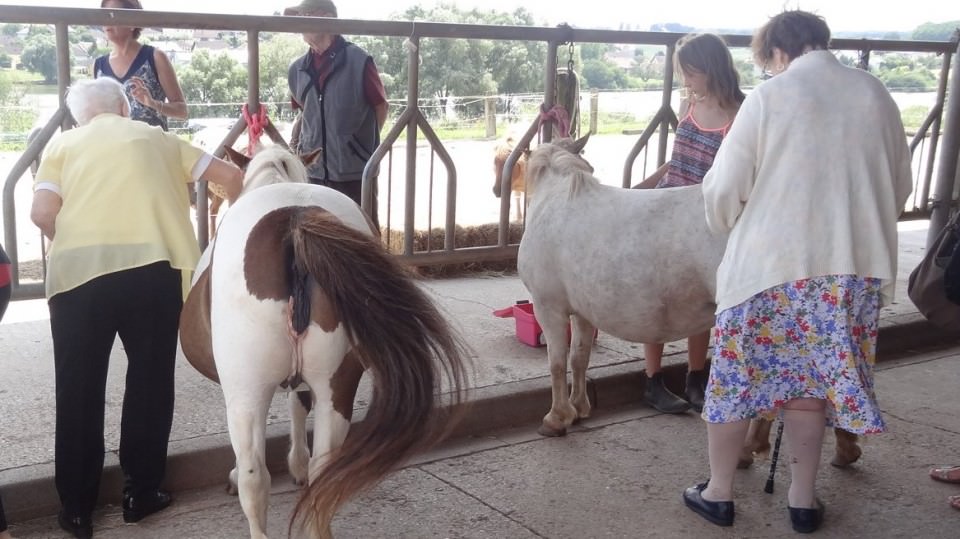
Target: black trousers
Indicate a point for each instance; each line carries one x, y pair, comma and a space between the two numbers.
353, 190
141, 305
3, 518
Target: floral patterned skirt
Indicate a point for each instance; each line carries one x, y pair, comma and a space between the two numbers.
814, 338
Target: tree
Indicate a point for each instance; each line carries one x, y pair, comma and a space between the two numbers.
218, 80
40, 56
276, 53
10, 29
935, 31
460, 67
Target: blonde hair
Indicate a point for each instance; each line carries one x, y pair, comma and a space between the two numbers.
90, 97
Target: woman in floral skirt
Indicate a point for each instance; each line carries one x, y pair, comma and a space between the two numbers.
808, 184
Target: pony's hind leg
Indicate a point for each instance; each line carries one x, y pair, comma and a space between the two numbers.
847, 450
246, 421
562, 412
580, 346
298, 459
329, 431
757, 442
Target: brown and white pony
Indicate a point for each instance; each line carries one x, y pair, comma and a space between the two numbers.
297, 289
517, 182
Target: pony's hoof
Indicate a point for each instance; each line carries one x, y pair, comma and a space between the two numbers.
744, 462
232, 489
551, 432
846, 458
299, 482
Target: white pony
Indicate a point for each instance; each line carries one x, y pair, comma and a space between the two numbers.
637, 264
296, 288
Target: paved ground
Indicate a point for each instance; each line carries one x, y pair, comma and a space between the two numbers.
616, 478
619, 474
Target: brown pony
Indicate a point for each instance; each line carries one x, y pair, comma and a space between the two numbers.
757, 444
517, 182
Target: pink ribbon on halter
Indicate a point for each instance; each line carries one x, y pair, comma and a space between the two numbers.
255, 125
559, 116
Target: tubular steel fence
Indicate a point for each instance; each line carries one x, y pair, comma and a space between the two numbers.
935, 145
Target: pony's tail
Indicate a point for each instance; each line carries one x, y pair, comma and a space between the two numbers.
403, 341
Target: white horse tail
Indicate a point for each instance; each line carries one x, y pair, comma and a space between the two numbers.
401, 339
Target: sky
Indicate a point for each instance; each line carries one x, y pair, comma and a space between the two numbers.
841, 15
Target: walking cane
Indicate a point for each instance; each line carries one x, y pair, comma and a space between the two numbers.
768, 488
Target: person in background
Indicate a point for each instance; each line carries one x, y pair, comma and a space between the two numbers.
145, 72
342, 103
109, 195
808, 184
948, 474
706, 113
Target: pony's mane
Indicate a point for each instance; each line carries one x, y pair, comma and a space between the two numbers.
273, 164
556, 159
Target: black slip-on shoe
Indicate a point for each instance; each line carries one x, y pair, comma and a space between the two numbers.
807, 520
719, 513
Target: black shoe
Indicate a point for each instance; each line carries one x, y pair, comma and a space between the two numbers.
807, 520
660, 398
144, 505
719, 513
79, 527
696, 389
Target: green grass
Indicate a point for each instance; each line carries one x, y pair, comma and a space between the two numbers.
914, 116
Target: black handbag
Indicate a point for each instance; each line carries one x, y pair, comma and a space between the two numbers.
934, 285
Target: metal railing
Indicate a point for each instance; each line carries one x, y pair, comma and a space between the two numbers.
414, 121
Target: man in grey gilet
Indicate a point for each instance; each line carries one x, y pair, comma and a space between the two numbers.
342, 103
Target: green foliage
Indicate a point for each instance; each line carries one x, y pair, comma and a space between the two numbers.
904, 79
40, 55
10, 29
459, 67
935, 31
217, 80
275, 57
13, 117
913, 116
603, 74
39, 30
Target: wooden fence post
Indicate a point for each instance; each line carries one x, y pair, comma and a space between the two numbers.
490, 113
594, 100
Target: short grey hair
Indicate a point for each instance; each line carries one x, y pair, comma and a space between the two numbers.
89, 97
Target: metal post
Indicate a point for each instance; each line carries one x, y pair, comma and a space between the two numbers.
947, 172
63, 71
413, 93
549, 92
667, 94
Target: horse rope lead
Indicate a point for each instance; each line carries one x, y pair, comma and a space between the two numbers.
768, 488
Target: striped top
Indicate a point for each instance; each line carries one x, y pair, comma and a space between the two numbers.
693, 151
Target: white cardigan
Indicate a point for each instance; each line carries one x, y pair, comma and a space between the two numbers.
809, 181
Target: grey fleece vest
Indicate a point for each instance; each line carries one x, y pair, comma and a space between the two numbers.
337, 116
